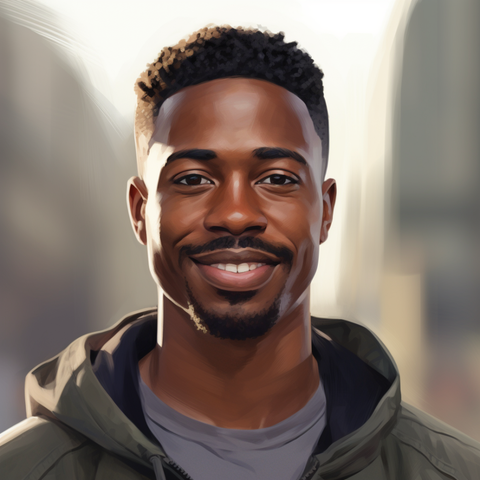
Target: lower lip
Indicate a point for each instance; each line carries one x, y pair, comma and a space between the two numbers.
251, 280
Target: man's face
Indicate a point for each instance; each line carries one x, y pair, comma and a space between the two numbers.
234, 204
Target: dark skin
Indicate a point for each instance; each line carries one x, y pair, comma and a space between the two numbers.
235, 192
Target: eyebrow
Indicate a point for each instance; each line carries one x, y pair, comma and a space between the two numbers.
271, 153
193, 154
263, 153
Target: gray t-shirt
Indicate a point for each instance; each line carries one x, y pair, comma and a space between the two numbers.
205, 452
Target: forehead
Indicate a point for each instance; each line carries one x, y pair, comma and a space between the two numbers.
233, 114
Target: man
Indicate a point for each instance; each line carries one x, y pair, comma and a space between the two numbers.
232, 203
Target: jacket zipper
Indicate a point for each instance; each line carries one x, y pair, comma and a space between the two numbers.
307, 476
177, 468
315, 466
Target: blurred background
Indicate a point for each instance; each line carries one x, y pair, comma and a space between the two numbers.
403, 258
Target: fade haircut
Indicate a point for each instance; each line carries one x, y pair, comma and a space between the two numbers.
225, 52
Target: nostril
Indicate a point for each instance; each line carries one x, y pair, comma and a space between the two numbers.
232, 231
254, 228
217, 228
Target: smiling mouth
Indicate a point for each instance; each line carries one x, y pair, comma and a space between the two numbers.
236, 270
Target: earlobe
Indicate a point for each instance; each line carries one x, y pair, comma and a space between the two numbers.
137, 195
329, 195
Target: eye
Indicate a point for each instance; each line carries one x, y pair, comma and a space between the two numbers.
277, 179
193, 179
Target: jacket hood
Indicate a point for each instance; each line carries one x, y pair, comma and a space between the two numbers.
66, 388
83, 387
351, 452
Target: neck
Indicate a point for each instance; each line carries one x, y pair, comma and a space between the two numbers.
243, 384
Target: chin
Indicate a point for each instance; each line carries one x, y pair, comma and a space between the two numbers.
242, 322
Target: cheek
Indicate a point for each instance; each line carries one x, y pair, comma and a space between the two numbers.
179, 217
169, 222
300, 224
178, 220
298, 219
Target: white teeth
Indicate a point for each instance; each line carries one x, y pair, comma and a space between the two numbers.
243, 267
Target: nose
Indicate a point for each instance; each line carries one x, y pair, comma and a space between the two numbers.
235, 209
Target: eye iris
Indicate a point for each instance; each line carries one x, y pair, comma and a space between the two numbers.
193, 180
278, 179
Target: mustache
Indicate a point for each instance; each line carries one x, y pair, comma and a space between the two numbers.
229, 242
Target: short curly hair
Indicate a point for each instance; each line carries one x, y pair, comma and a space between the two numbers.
222, 52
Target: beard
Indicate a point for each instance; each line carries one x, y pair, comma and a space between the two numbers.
234, 326
239, 325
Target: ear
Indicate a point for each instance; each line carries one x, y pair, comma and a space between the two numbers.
137, 195
329, 193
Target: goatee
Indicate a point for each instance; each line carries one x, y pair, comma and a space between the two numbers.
236, 326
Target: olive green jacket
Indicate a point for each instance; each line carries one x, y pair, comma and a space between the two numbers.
75, 431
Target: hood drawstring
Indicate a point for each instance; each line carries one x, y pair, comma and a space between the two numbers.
156, 461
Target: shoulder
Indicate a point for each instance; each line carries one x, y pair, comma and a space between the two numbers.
32, 447
444, 447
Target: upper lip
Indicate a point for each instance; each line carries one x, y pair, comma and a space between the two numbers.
235, 257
